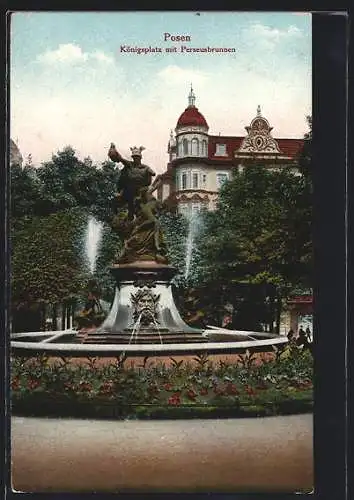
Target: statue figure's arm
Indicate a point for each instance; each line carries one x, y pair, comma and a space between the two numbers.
150, 171
115, 156
157, 182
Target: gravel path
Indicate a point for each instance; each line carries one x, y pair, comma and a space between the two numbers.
62, 455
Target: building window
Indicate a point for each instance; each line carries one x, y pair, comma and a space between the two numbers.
165, 192
195, 147
195, 180
204, 180
180, 149
221, 178
185, 147
204, 148
220, 150
184, 180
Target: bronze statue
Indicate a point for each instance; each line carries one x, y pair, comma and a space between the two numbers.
142, 234
133, 177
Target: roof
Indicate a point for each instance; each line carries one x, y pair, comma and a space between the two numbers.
288, 147
291, 147
232, 144
191, 116
300, 299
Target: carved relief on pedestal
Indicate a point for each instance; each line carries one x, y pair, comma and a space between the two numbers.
145, 303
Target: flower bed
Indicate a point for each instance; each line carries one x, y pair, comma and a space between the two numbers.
280, 385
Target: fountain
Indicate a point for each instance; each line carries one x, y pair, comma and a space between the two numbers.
143, 319
93, 239
194, 224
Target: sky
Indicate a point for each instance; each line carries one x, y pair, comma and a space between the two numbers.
70, 83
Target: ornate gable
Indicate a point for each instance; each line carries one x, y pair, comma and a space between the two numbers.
259, 138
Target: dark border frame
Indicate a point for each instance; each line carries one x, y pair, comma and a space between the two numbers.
330, 52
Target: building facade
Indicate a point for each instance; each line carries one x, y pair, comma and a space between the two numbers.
15, 154
199, 163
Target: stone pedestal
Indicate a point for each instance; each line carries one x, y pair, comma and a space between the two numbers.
143, 311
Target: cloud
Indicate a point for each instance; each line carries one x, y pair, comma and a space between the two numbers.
102, 57
174, 74
274, 33
69, 53
269, 37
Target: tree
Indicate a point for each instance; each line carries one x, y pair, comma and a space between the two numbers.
47, 264
67, 182
259, 232
25, 191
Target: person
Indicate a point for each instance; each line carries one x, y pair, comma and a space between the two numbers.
134, 176
92, 314
291, 335
308, 334
302, 339
92, 305
227, 320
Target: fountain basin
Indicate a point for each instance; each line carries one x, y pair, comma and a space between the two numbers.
72, 349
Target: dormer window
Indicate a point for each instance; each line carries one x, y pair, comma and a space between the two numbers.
220, 150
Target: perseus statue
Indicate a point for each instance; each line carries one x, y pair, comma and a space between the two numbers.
144, 239
134, 177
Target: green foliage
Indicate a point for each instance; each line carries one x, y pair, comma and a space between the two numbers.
64, 182
175, 229
47, 265
25, 191
260, 231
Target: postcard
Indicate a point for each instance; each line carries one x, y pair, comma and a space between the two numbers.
161, 251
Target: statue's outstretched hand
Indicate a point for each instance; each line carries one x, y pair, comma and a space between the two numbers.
113, 153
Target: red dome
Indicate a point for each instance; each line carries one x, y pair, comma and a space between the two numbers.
191, 117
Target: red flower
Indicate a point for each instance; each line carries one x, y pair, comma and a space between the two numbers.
153, 389
15, 384
32, 384
191, 394
250, 391
219, 390
106, 387
231, 389
174, 400
168, 387
203, 391
84, 386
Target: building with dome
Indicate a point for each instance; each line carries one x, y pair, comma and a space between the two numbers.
199, 163
15, 154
